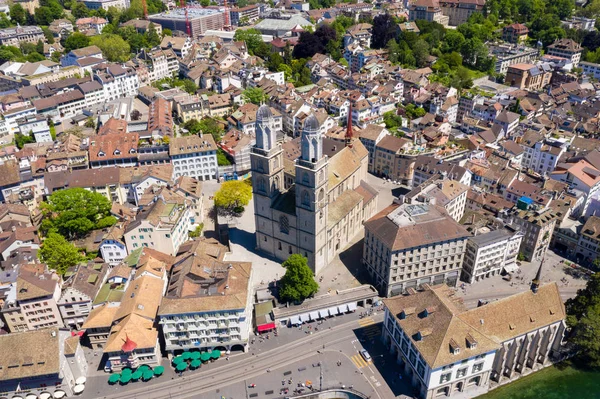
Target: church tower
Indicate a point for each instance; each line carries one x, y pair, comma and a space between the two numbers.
311, 196
267, 176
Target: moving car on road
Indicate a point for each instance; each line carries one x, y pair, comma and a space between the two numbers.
365, 355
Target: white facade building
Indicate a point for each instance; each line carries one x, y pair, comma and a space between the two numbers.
38, 126
194, 156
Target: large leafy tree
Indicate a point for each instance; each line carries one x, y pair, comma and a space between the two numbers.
254, 95
212, 127
233, 194
18, 13
583, 316
113, 47
298, 282
384, 29
76, 40
73, 212
58, 253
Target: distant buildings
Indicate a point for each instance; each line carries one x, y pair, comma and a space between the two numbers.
515, 33
529, 76
201, 20
408, 245
106, 4
17, 35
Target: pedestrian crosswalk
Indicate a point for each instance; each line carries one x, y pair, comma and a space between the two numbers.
367, 321
359, 361
372, 331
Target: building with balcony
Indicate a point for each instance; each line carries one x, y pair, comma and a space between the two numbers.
208, 303
408, 245
566, 48
491, 253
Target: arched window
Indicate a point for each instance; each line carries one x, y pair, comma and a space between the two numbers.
259, 166
321, 196
276, 163
284, 225
305, 198
261, 185
276, 183
321, 175
305, 178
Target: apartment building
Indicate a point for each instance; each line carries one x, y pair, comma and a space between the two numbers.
459, 11
537, 225
106, 4
160, 118
510, 54
491, 253
542, 156
529, 76
181, 46
114, 149
38, 125
162, 225
31, 303
447, 350
194, 156
79, 290
117, 81
208, 303
590, 69
588, 248
449, 194
428, 10
581, 176
73, 56
408, 245
566, 48
160, 63
427, 166
515, 33
370, 136
392, 159
238, 146
240, 16
21, 34
112, 248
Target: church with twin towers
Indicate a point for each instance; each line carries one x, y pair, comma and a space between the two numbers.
310, 194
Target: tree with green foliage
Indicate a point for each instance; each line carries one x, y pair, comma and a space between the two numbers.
197, 232
80, 10
167, 32
583, 317
189, 86
392, 121
298, 282
114, 48
233, 196
58, 253
253, 39
254, 95
4, 21
43, 16
384, 29
152, 36
21, 139
222, 158
210, 126
204, 3
414, 112
18, 14
76, 40
73, 212
193, 126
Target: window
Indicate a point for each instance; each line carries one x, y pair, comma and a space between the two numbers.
305, 178
284, 225
445, 377
461, 372
477, 367
305, 198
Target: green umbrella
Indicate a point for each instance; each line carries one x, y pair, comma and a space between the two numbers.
187, 355
125, 378
144, 367
137, 374
195, 363
177, 360
205, 356
215, 354
126, 371
114, 378
181, 367
195, 355
159, 370
147, 375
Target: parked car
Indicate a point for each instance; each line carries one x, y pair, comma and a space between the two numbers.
365, 355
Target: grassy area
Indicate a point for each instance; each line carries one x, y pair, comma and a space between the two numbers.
561, 382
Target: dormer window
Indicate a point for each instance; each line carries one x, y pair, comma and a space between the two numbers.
117, 152
101, 154
454, 348
132, 151
471, 342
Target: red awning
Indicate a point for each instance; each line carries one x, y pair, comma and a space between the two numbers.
266, 327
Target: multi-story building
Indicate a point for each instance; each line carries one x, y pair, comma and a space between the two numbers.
408, 245
590, 69
160, 63
580, 23
510, 54
200, 20
537, 226
459, 11
566, 48
542, 156
208, 303
181, 46
160, 118
194, 156
31, 303
588, 246
79, 290
515, 33
426, 166
114, 149
162, 225
428, 10
581, 176
112, 248
322, 208
240, 16
238, 146
370, 136
73, 56
490, 253
447, 350
359, 34
21, 34
106, 4
38, 125
529, 76
117, 81
449, 194
393, 159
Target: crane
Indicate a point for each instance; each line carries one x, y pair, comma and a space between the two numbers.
145, 9
187, 19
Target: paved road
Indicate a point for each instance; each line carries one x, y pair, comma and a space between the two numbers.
246, 369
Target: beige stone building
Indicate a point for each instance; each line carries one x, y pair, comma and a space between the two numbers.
537, 226
326, 201
408, 245
449, 351
450, 194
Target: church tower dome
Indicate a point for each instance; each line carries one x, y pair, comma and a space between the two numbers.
312, 141
265, 131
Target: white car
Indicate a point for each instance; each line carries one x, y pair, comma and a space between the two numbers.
365, 355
